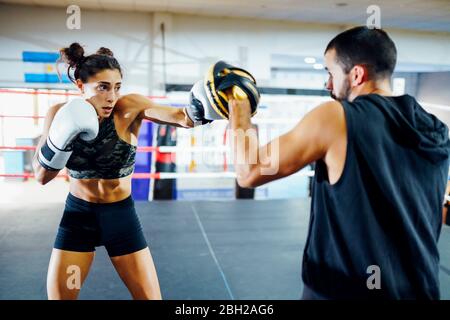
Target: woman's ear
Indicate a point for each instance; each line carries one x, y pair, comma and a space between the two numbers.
80, 85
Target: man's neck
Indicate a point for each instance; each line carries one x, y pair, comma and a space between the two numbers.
382, 88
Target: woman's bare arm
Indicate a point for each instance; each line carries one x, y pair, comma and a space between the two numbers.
137, 107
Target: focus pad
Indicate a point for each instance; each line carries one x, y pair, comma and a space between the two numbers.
221, 77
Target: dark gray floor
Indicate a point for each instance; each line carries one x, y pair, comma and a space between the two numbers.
202, 250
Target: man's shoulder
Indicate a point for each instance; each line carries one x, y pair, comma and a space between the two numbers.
328, 116
329, 109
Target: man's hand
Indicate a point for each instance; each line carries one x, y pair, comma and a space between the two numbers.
240, 113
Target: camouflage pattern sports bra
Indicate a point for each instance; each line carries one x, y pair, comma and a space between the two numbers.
105, 157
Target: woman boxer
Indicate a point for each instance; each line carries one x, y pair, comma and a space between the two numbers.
95, 137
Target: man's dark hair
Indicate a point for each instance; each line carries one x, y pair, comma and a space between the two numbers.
372, 48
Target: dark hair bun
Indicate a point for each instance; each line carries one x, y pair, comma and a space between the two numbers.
83, 67
73, 55
105, 51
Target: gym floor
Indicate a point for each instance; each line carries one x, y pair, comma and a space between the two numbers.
241, 249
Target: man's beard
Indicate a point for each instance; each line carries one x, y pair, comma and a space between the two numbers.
343, 94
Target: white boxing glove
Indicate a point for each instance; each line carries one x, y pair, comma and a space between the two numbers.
76, 117
199, 109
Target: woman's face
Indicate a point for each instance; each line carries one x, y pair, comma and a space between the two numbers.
102, 91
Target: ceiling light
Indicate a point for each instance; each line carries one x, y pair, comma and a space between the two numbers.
318, 66
310, 60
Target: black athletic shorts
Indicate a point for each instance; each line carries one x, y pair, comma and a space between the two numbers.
86, 225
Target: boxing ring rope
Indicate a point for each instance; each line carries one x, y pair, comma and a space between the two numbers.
156, 175
162, 175
160, 149
2, 116
57, 93
255, 120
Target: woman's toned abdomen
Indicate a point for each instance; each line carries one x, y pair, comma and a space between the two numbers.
101, 190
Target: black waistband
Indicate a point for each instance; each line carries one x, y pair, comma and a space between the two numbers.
125, 202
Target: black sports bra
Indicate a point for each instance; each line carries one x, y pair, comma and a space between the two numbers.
105, 157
